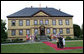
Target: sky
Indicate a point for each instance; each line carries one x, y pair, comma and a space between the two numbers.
74, 8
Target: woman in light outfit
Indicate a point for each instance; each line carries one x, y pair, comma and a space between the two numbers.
63, 42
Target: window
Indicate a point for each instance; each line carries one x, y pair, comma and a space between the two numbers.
20, 32
60, 22
41, 22
36, 31
20, 22
46, 22
28, 31
67, 22
67, 30
13, 23
54, 30
61, 31
27, 22
35, 22
48, 31
54, 22
13, 32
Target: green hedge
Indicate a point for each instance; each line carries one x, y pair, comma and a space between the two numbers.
14, 41
75, 38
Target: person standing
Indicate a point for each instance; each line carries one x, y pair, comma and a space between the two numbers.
57, 42
60, 42
63, 42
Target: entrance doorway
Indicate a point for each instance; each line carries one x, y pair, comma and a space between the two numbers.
42, 30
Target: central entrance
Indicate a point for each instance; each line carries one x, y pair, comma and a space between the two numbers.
42, 30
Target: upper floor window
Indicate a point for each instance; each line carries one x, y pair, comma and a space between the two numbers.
13, 32
28, 31
48, 31
13, 23
54, 22
61, 31
20, 32
27, 22
67, 30
35, 22
54, 30
46, 22
67, 22
35, 31
41, 22
60, 22
20, 22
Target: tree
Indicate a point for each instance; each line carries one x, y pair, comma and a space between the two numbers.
82, 29
3, 31
77, 30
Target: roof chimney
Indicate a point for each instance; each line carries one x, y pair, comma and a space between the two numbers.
40, 6
31, 6
59, 9
46, 7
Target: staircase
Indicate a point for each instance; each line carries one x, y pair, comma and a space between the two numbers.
43, 38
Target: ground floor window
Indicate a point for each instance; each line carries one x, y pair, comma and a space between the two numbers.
20, 32
35, 31
28, 32
67, 30
48, 31
13, 32
61, 31
54, 30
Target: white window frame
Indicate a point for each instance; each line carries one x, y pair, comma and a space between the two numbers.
67, 22
68, 31
46, 22
61, 31
28, 31
54, 22
20, 22
48, 30
60, 22
13, 21
27, 22
36, 31
13, 32
54, 30
20, 32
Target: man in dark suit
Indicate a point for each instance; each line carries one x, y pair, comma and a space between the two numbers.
60, 42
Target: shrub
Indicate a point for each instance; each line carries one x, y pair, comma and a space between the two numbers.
75, 38
37, 37
49, 37
68, 38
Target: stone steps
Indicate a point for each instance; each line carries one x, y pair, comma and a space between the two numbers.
43, 38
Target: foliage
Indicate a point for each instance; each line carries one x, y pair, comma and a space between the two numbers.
3, 31
77, 30
49, 37
37, 37
68, 38
82, 29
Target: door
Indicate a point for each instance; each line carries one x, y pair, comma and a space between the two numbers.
42, 30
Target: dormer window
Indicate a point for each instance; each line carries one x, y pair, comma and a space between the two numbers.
13, 23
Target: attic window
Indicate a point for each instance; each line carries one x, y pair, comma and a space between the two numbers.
13, 23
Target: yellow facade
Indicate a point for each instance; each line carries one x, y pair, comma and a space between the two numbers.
32, 26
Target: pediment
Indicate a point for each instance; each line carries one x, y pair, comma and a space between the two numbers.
40, 13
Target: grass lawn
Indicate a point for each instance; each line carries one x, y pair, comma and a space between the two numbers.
40, 48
